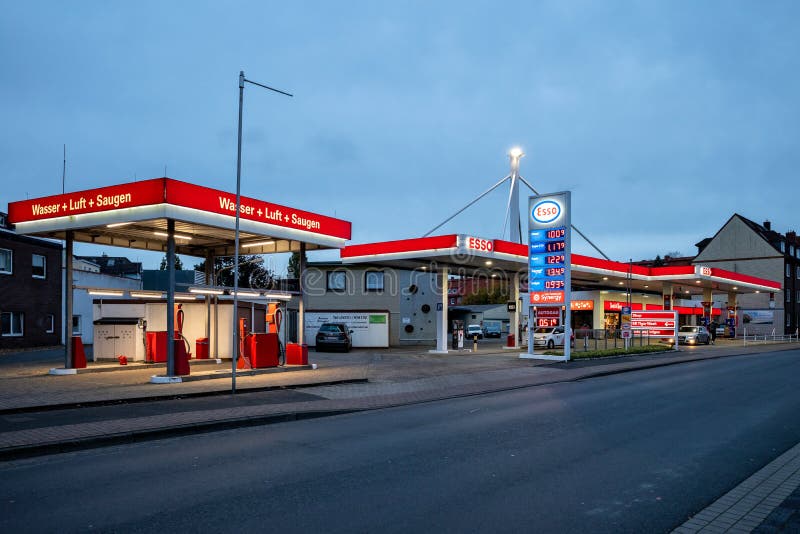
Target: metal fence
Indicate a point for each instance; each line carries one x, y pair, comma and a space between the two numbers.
611, 338
773, 337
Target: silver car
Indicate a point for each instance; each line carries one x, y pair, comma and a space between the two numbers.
694, 335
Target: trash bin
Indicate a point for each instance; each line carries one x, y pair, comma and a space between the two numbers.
510, 340
201, 348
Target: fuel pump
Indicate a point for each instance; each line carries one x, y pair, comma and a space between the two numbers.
243, 358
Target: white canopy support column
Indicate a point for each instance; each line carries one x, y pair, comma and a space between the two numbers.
441, 315
301, 306
666, 295
513, 317
68, 300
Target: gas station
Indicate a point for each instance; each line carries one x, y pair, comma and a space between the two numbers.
175, 217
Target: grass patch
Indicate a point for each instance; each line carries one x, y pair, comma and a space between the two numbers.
610, 352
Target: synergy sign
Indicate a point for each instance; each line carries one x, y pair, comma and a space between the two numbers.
549, 234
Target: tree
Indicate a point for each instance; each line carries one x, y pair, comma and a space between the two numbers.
252, 273
658, 262
293, 268
178, 263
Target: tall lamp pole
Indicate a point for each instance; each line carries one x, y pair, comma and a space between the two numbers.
235, 355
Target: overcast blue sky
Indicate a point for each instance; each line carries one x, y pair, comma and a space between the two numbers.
662, 118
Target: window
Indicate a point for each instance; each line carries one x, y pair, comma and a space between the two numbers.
788, 295
798, 272
797, 298
76, 325
11, 323
791, 250
783, 246
374, 281
788, 271
788, 319
39, 266
50, 323
5, 261
337, 281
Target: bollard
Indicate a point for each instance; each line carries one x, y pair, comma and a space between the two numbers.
474, 343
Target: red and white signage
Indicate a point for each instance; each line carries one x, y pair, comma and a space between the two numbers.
481, 245
581, 305
547, 297
175, 193
652, 323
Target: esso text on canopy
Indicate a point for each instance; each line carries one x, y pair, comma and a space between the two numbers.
546, 211
483, 245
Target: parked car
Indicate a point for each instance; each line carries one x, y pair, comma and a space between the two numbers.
693, 335
551, 337
491, 330
474, 330
334, 336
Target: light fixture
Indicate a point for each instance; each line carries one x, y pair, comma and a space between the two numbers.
184, 296
622, 283
248, 294
278, 296
646, 286
106, 292
735, 288
697, 281
206, 290
757, 291
494, 275
488, 262
424, 268
516, 152
147, 294
116, 225
258, 244
687, 291
605, 278
177, 236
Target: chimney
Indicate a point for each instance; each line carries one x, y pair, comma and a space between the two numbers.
767, 225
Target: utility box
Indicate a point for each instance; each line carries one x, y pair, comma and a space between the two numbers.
262, 350
118, 336
296, 354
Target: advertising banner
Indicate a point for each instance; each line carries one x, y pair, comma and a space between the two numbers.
370, 329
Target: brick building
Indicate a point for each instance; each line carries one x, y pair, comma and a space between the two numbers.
30, 290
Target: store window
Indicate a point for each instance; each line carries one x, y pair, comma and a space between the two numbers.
76, 325
337, 281
373, 281
39, 266
50, 323
6, 257
12, 323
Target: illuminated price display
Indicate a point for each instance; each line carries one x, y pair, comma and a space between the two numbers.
555, 259
546, 322
554, 284
555, 271
555, 246
556, 233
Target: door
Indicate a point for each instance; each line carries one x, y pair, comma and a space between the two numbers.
104, 341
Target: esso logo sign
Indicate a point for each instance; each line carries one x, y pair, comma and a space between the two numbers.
546, 211
484, 245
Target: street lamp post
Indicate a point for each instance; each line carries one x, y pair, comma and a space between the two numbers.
235, 354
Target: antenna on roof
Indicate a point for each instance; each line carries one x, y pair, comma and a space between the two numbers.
64, 171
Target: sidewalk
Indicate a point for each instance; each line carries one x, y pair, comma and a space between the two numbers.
39, 415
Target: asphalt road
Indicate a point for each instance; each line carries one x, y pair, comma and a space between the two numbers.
634, 452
